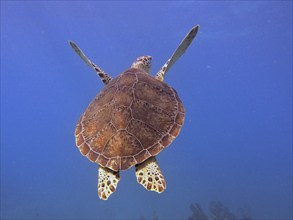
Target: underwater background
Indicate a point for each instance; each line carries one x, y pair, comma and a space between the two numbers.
235, 81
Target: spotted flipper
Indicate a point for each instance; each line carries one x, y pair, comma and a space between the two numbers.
178, 53
108, 180
104, 76
150, 176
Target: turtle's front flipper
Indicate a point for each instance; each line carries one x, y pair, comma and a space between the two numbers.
150, 176
108, 180
178, 53
104, 76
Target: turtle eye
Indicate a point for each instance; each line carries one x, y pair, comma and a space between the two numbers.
147, 60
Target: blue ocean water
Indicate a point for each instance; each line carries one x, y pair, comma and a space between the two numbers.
235, 81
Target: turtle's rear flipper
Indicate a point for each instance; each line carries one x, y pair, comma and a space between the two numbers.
150, 176
104, 76
108, 180
178, 53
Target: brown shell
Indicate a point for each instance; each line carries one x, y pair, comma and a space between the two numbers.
133, 118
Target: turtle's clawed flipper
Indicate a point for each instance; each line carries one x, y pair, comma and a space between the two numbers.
104, 76
178, 53
150, 176
108, 180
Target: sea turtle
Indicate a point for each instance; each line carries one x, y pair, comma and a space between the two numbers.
132, 119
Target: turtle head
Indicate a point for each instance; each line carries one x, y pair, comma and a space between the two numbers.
143, 62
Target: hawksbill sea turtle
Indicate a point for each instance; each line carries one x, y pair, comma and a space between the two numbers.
132, 119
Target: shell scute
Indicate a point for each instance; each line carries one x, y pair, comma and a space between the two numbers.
166, 140
124, 96
155, 149
102, 160
92, 156
114, 162
84, 149
122, 144
143, 132
148, 113
98, 141
180, 118
142, 155
121, 117
127, 162
127, 79
158, 96
93, 123
102, 101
